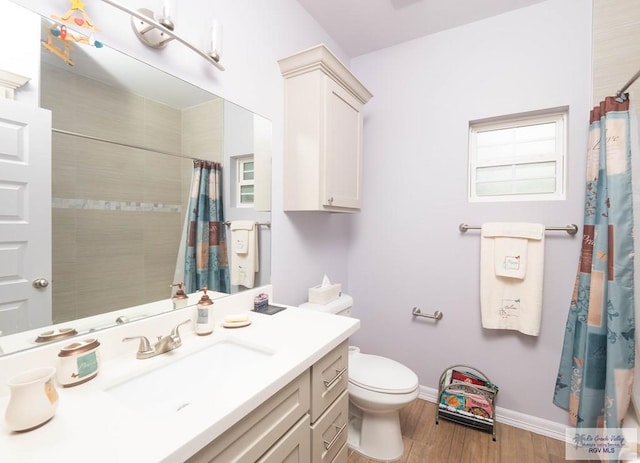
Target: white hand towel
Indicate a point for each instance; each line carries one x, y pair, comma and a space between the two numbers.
510, 256
512, 303
244, 258
240, 241
511, 244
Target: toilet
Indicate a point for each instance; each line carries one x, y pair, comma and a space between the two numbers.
378, 388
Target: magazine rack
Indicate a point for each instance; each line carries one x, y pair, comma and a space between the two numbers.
467, 396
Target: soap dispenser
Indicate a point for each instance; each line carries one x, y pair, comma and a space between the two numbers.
204, 318
179, 299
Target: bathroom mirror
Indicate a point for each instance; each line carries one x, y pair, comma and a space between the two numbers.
123, 142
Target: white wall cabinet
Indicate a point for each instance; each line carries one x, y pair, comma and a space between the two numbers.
306, 421
323, 118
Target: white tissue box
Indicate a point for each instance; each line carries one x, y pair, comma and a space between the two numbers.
324, 295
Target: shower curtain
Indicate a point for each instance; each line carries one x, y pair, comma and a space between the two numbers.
596, 366
206, 262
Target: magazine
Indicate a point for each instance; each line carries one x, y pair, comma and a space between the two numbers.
458, 376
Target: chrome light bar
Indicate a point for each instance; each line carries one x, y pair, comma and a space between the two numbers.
149, 24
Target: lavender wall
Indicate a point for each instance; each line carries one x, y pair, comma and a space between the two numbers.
406, 249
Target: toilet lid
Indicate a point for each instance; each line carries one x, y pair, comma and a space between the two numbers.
381, 374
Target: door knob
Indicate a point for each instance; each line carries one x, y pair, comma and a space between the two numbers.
40, 283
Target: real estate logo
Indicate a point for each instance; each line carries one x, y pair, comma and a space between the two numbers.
600, 444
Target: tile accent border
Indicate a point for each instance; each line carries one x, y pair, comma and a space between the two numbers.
108, 205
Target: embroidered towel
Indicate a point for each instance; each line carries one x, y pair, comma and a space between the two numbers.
244, 258
240, 237
510, 257
511, 298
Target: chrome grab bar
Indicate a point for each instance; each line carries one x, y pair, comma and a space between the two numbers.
328, 445
338, 375
416, 312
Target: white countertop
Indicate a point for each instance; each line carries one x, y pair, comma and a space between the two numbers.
91, 425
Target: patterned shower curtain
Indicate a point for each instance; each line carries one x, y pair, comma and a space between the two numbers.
596, 367
206, 262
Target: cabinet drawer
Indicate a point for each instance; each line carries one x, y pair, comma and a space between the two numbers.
329, 433
252, 436
294, 447
329, 377
342, 456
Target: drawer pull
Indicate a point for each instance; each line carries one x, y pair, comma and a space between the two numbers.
328, 445
338, 375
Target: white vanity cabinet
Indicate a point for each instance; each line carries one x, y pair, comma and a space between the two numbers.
306, 421
323, 118
267, 426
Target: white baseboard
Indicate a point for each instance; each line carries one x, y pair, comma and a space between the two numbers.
512, 418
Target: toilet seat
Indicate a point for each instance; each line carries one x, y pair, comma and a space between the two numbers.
380, 374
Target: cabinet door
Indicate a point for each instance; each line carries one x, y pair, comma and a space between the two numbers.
342, 170
294, 447
252, 436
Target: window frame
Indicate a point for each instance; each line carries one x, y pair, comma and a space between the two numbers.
240, 181
559, 116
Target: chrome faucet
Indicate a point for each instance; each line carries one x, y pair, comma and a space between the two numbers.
164, 343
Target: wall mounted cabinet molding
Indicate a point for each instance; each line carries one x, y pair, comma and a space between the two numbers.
323, 104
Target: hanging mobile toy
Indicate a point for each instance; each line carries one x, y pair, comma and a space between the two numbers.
70, 17
75, 16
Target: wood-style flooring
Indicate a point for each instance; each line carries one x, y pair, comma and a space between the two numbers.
447, 442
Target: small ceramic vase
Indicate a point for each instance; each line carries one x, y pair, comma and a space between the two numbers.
33, 399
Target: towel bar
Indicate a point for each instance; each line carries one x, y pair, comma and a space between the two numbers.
572, 229
261, 224
437, 315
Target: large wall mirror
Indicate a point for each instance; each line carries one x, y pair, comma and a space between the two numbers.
124, 139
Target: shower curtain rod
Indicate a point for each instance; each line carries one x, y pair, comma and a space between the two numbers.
127, 145
620, 93
571, 229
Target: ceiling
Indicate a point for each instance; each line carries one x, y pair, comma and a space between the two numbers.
363, 26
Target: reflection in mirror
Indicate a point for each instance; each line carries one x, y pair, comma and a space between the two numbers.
124, 138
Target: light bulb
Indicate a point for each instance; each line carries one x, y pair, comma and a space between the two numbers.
216, 40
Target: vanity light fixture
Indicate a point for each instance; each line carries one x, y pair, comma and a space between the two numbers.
157, 30
215, 49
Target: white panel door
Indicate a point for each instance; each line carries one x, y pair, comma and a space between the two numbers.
25, 216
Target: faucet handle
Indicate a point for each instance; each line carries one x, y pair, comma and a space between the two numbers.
175, 332
144, 347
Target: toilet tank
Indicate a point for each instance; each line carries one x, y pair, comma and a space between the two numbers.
340, 306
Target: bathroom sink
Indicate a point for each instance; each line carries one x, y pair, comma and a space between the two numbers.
172, 387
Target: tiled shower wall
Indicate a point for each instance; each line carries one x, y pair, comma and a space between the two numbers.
616, 46
118, 211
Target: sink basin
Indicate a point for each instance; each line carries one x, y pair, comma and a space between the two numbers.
171, 387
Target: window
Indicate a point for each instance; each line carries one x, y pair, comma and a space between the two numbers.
518, 159
245, 182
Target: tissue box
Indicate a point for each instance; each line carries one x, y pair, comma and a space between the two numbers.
324, 294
